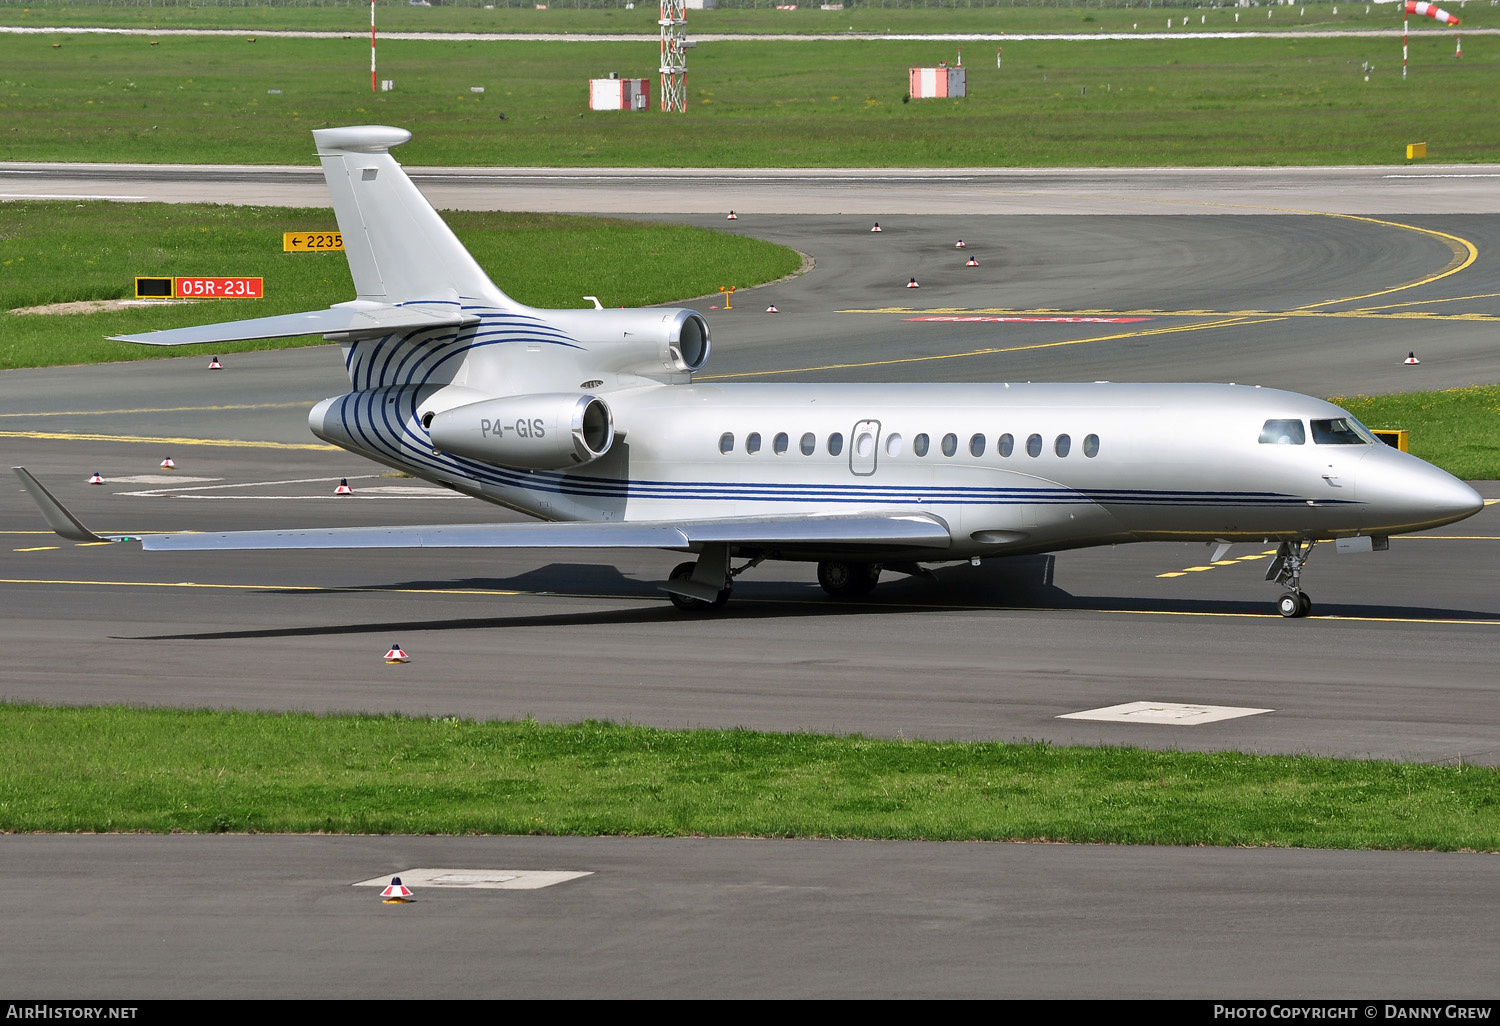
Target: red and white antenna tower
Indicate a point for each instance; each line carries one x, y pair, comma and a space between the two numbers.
372, 46
673, 55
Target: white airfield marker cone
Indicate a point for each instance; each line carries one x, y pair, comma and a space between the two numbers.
396, 894
971, 262
959, 245
771, 308
168, 464
96, 479
395, 655
913, 284
343, 488
214, 364
732, 216
1411, 360
877, 227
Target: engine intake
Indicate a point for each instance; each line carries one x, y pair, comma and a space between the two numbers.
553, 431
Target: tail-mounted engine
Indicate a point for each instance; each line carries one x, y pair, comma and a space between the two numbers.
554, 431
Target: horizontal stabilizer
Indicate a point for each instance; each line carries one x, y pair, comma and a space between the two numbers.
347, 320
890, 530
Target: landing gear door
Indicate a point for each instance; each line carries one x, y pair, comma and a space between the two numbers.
864, 443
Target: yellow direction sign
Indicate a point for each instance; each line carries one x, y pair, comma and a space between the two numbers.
311, 242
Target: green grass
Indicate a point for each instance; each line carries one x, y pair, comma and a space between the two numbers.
1055, 103
880, 16
126, 769
53, 252
1457, 429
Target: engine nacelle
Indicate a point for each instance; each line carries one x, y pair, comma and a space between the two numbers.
649, 342
553, 431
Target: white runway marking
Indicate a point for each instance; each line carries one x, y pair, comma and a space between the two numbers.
480, 879
68, 196
157, 479
1171, 713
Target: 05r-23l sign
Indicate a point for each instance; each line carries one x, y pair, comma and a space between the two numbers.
200, 288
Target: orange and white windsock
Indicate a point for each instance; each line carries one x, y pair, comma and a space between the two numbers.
1422, 8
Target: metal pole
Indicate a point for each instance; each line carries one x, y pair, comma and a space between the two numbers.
1405, 30
372, 46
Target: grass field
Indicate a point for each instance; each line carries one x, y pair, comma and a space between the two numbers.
880, 16
124, 769
1458, 429
59, 252
1133, 103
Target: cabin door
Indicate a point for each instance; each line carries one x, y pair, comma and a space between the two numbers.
864, 442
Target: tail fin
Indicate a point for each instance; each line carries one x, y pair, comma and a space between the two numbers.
399, 249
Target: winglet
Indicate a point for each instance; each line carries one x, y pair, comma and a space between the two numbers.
58, 517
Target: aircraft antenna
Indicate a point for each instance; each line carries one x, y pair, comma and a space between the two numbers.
673, 23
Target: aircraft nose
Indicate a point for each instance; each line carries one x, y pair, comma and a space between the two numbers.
1403, 493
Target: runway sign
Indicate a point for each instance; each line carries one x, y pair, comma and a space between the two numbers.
483, 879
1170, 713
311, 242
199, 288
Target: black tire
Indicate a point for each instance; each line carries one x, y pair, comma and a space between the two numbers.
1289, 605
848, 580
1304, 602
686, 603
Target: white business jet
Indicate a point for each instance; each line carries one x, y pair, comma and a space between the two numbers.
589, 420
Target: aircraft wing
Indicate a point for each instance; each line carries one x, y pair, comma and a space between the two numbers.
839, 530
882, 530
347, 320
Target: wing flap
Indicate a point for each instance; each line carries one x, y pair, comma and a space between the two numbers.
902, 530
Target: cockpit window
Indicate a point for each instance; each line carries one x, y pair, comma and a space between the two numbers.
1282, 432
1341, 431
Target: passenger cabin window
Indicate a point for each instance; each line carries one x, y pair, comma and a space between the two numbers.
1091, 446
1034, 445
835, 444
780, 443
865, 443
1006, 445
893, 444
919, 445
752, 442
1282, 432
726, 442
1063, 445
950, 445
976, 446
809, 443
1341, 431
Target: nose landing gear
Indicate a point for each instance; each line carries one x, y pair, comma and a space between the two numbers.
1286, 570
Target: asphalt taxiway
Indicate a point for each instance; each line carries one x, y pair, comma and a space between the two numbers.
1397, 661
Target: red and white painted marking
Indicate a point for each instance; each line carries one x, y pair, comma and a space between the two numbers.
1026, 319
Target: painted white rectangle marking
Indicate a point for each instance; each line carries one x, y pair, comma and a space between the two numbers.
158, 479
481, 879
1173, 714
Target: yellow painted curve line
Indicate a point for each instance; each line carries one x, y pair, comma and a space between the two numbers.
1464, 254
765, 601
229, 443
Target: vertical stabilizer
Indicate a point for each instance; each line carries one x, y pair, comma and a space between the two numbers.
399, 249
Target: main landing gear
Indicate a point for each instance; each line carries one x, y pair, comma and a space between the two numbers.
705, 584
843, 579
1286, 570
